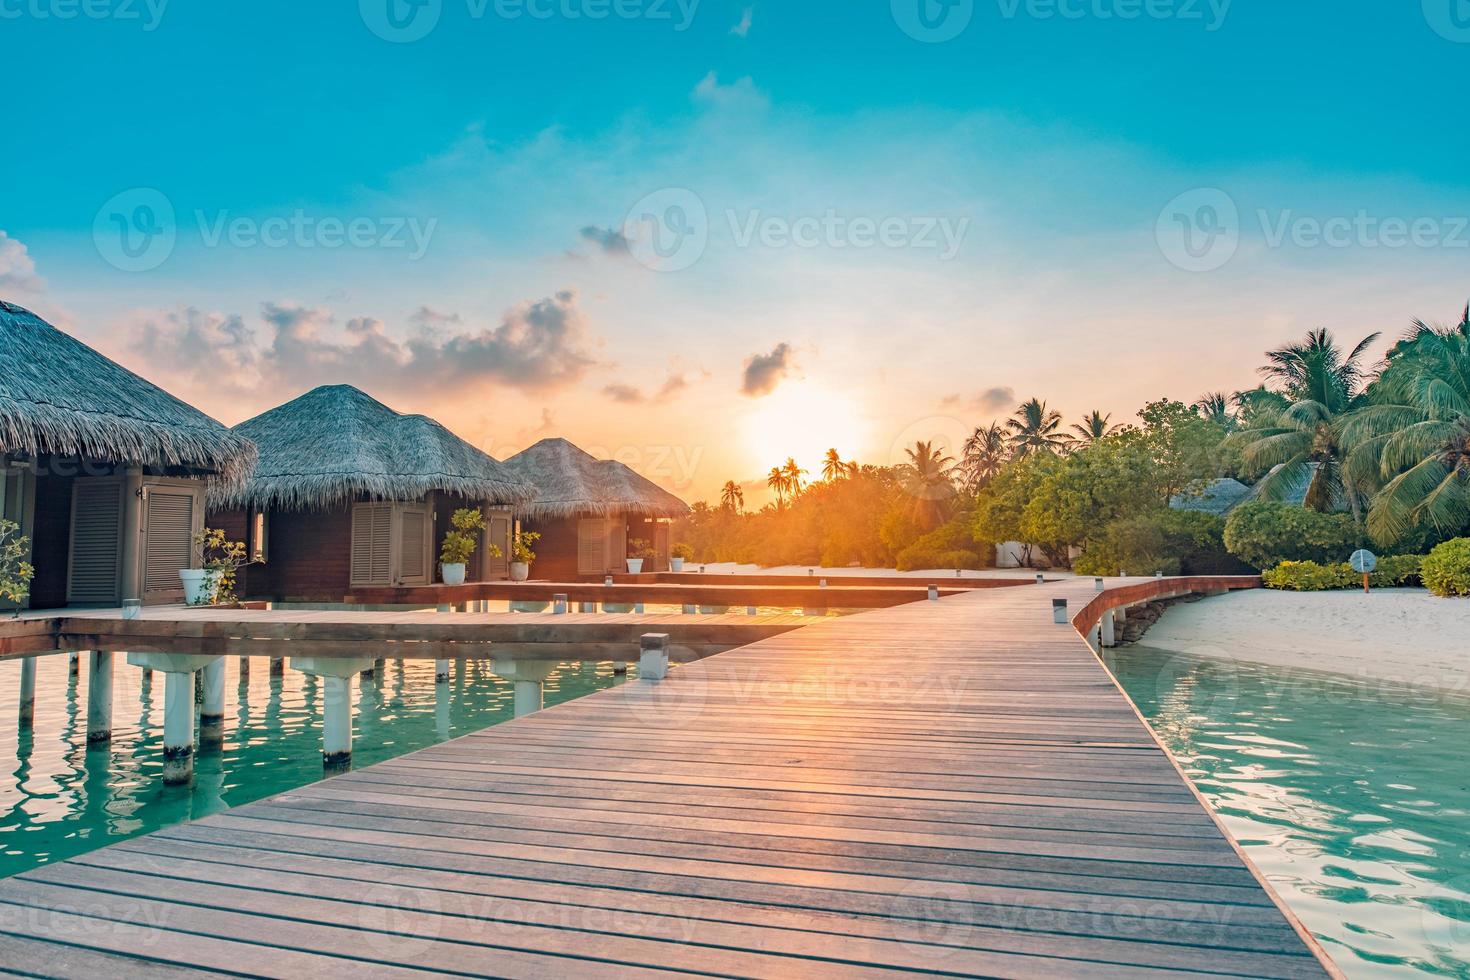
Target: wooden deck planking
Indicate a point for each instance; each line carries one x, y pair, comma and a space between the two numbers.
953, 788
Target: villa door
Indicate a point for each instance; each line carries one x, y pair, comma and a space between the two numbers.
497, 533
415, 564
591, 546
617, 546
172, 514
94, 573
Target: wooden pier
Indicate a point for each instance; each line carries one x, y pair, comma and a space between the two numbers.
954, 787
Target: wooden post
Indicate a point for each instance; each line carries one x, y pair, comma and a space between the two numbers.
1366, 589
653, 656
212, 715
99, 697
27, 692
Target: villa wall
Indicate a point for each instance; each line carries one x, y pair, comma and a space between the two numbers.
556, 552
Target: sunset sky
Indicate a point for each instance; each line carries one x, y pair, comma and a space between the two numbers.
703, 236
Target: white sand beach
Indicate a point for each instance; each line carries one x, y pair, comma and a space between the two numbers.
1398, 636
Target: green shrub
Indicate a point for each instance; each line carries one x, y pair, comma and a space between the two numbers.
951, 545
1264, 534
1170, 541
683, 551
1446, 571
1310, 576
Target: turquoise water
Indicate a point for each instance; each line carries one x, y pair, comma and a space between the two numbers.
1353, 798
59, 798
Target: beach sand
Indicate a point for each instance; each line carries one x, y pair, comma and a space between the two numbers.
1398, 636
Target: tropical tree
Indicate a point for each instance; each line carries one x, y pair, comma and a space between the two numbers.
732, 498
793, 474
1214, 406
1412, 441
926, 478
833, 467
1092, 428
1303, 442
1034, 429
1255, 404
776, 480
984, 454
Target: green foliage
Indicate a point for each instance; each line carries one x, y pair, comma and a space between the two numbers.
459, 544
682, 550
1446, 571
951, 545
1172, 541
520, 546
15, 571
1310, 576
225, 558
640, 548
1263, 534
1184, 448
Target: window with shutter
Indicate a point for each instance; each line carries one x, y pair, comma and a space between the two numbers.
168, 542
413, 549
372, 541
591, 546
96, 542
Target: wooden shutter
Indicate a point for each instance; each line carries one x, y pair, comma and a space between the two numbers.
413, 548
372, 544
168, 541
497, 532
617, 545
95, 576
591, 546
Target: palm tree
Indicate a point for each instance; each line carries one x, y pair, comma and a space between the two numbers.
793, 475
1034, 428
1303, 442
1414, 440
1214, 406
1256, 403
1092, 428
732, 498
983, 455
833, 467
926, 478
776, 480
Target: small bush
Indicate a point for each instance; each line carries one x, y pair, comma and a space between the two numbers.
683, 551
915, 557
1170, 541
1265, 534
1446, 570
1309, 576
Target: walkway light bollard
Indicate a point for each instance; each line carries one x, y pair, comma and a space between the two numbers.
638, 608
99, 697
821, 583
653, 656
752, 611
1059, 611
607, 581
559, 604
690, 610
933, 593
1040, 579
27, 692
212, 714
1097, 584
1159, 574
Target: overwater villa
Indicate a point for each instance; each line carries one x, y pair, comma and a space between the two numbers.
592, 513
104, 472
349, 493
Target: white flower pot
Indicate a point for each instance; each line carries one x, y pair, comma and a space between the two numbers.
199, 585
676, 564
635, 566
520, 571
454, 574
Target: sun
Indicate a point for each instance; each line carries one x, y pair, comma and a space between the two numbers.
802, 421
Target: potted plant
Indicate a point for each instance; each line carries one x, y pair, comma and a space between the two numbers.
15, 572
219, 561
678, 555
639, 551
460, 543
521, 554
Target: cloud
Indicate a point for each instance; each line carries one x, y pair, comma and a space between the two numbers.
17, 268
763, 372
625, 394
537, 346
742, 29
991, 401
610, 241
739, 94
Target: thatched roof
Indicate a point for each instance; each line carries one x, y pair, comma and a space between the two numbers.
1216, 497
336, 443
59, 396
570, 481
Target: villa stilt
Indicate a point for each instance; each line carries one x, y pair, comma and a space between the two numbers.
104, 472
589, 512
351, 494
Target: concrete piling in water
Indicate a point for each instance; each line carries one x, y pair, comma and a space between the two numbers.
27, 693
278, 666
441, 670
653, 656
178, 709
212, 714
559, 604
620, 667
528, 677
99, 697
334, 672
1108, 630
74, 664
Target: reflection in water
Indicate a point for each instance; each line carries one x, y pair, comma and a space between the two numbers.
1352, 797
59, 798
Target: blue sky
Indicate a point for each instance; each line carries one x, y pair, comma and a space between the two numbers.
1047, 139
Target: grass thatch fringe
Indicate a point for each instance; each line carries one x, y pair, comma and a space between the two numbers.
336, 444
61, 397
572, 482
